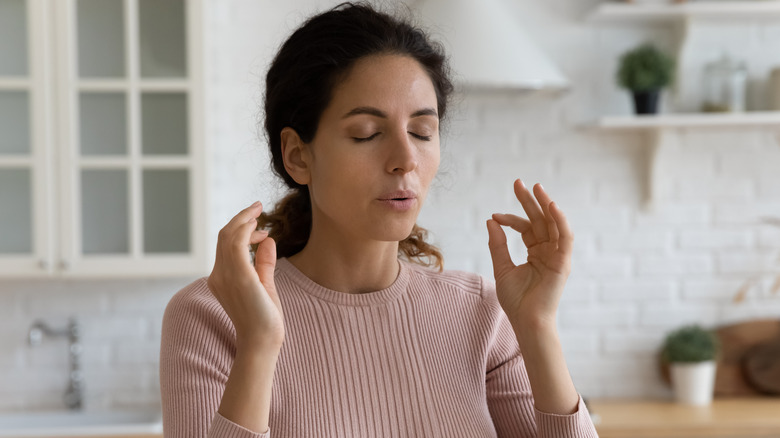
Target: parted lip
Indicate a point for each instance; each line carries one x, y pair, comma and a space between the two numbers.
398, 194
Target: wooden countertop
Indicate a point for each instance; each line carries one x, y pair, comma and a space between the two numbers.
731, 417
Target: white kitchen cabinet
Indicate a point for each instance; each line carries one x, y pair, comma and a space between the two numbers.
102, 163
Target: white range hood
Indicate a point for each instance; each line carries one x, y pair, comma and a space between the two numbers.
487, 47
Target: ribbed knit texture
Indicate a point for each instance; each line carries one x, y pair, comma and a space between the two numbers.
433, 355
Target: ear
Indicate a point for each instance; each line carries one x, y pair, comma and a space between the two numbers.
296, 156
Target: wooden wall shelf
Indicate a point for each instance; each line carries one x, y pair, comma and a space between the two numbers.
621, 12
691, 120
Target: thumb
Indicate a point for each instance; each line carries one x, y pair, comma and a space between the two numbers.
265, 263
502, 261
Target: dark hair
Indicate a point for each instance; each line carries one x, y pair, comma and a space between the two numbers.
299, 86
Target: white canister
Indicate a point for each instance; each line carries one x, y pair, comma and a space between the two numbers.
693, 383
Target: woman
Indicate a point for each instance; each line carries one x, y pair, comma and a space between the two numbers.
329, 332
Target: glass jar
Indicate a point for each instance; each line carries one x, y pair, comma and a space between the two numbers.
724, 85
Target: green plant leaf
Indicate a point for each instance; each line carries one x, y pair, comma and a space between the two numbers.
691, 343
645, 68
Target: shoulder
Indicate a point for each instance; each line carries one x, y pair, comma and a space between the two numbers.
195, 297
195, 308
453, 280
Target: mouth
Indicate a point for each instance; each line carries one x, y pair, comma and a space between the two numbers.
398, 204
398, 195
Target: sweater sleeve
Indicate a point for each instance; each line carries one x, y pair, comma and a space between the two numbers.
508, 389
196, 354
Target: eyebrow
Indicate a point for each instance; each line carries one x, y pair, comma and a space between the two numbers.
379, 113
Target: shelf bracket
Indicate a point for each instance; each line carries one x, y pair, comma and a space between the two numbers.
659, 143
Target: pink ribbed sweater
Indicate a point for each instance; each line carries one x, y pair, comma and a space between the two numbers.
433, 355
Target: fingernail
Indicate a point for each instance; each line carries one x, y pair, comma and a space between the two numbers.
255, 204
541, 186
522, 184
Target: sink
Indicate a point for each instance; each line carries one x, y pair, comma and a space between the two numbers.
86, 423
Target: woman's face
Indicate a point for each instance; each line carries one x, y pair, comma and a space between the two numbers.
379, 136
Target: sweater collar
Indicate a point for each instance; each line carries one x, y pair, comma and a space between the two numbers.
391, 293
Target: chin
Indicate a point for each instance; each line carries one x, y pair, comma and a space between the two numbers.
395, 232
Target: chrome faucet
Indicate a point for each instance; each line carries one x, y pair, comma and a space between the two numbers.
74, 392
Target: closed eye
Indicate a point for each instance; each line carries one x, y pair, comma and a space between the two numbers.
421, 137
372, 136
362, 139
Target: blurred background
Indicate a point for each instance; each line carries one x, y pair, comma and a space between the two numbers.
129, 136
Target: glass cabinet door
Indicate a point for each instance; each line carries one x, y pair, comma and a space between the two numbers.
24, 166
133, 166
162, 38
100, 33
16, 169
16, 234
101, 152
13, 38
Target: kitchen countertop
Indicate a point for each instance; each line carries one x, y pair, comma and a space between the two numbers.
729, 417
63, 424
151, 435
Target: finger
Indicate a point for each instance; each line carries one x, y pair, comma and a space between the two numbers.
499, 253
566, 240
519, 224
265, 264
258, 236
532, 210
552, 226
245, 215
243, 232
544, 201
239, 240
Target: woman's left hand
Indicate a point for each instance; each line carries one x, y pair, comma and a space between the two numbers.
530, 292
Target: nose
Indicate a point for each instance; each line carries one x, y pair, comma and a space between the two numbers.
402, 157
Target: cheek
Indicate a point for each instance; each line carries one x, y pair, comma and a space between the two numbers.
339, 176
432, 162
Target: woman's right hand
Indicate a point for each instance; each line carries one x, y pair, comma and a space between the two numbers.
247, 292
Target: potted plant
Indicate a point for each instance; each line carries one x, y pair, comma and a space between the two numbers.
645, 71
691, 352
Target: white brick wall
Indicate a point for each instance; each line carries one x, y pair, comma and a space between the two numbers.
120, 337
637, 274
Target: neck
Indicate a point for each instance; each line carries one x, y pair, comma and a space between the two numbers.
339, 262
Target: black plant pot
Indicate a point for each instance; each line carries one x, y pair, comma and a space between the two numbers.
646, 102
